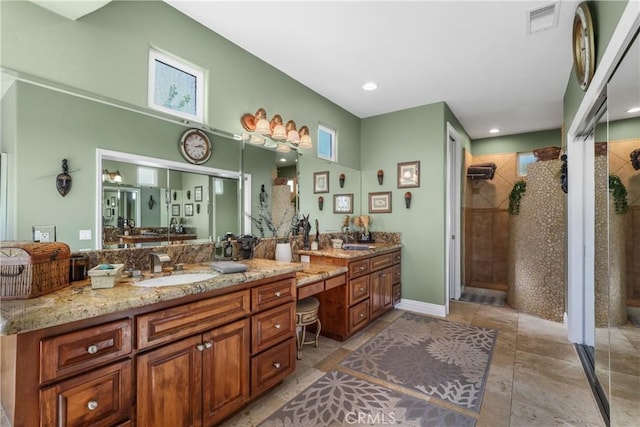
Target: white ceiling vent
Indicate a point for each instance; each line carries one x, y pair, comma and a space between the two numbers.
542, 18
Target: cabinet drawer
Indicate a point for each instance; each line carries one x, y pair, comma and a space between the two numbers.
311, 289
100, 398
397, 293
272, 326
168, 325
272, 366
358, 316
358, 289
81, 350
358, 268
334, 282
381, 261
396, 273
273, 294
396, 257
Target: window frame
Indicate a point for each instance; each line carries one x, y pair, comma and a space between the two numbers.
333, 155
526, 166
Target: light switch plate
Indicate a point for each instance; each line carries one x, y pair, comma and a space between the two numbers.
85, 235
305, 258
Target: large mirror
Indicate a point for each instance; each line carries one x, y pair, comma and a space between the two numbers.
617, 243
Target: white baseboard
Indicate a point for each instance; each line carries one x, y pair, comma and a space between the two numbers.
422, 307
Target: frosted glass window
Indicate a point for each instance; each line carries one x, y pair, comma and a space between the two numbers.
327, 143
524, 160
147, 177
175, 87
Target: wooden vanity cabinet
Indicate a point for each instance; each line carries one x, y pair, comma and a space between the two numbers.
372, 288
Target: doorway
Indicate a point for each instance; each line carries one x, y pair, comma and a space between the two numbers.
453, 216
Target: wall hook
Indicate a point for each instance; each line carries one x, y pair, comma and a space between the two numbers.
63, 180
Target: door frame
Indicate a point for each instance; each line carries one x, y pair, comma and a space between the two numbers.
453, 209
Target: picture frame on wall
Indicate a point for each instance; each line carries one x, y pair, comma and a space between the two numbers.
197, 193
175, 210
321, 182
343, 203
188, 209
409, 174
380, 202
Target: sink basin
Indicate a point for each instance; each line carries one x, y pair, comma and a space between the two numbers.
178, 279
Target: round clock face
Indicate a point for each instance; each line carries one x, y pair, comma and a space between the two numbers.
195, 146
583, 50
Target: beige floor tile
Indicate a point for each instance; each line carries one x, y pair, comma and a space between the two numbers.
524, 414
462, 312
544, 347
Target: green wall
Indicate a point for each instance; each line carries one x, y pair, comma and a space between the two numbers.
517, 143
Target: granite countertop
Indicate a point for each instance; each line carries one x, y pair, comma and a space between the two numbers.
315, 272
374, 248
79, 301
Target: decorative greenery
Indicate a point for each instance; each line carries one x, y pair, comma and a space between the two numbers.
619, 193
265, 219
515, 196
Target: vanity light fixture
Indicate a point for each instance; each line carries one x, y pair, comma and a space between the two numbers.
112, 177
274, 133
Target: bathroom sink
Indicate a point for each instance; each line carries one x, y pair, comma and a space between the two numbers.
178, 279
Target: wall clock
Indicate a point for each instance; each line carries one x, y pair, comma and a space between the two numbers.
195, 146
583, 50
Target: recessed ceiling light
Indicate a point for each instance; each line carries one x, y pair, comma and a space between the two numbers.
369, 86
494, 130
634, 110
282, 159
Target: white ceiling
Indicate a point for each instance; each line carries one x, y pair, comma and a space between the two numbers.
474, 55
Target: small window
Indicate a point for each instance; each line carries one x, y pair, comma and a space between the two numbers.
523, 161
218, 185
175, 87
327, 143
147, 177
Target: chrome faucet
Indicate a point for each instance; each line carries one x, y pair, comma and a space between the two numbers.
156, 261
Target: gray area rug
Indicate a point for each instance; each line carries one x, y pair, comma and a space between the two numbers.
439, 358
339, 399
482, 299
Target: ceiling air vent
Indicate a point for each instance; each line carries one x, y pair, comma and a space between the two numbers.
542, 18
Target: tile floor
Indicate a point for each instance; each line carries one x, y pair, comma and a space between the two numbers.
535, 379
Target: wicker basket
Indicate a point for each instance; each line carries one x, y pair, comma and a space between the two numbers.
28, 270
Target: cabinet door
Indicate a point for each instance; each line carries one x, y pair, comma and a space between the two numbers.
169, 387
381, 291
225, 370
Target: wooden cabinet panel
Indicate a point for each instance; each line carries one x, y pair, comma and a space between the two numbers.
397, 293
358, 268
99, 398
169, 385
272, 366
81, 350
225, 370
272, 326
358, 316
170, 324
334, 282
381, 261
273, 294
397, 257
381, 291
310, 289
358, 289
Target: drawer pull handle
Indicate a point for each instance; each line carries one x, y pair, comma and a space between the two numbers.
361, 314
92, 349
208, 344
277, 326
361, 267
278, 293
200, 347
383, 275
276, 365
92, 405
361, 289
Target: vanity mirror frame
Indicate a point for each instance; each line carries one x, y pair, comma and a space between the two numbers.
244, 181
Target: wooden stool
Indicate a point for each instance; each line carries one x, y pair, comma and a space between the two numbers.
306, 314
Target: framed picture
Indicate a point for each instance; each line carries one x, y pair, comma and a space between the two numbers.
380, 202
343, 203
321, 182
175, 210
408, 174
197, 193
188, 209
108, 213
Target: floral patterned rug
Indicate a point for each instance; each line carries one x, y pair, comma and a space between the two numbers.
436, 357
425, 356
339, 399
